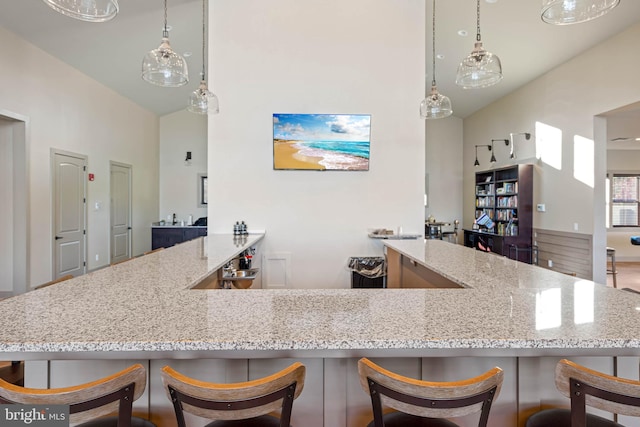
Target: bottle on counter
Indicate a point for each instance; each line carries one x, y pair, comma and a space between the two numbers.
190, 220
175, 220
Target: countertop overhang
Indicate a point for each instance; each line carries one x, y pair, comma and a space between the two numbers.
145, 308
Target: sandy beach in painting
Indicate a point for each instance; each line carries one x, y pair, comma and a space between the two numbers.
292, 154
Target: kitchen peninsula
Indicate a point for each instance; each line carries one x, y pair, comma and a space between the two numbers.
504, 313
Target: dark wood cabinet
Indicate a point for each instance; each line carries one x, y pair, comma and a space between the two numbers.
167, 236
506, 196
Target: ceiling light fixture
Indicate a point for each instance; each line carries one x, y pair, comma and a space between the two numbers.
86, 10
163, 66
435, 105
480, 68
566, 12
202, 100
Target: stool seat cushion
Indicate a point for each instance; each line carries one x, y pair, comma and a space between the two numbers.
261, 421
562, 418
113, 422
635, 240
400, 419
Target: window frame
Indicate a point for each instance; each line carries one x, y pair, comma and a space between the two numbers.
611, 175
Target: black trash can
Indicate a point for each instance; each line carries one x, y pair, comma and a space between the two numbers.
368, 272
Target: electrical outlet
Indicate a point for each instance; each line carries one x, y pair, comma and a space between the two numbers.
550, 263
575, 226
97, 257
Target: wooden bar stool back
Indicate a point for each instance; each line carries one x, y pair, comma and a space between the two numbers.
89, 402
586, 387
250, 401
426, 403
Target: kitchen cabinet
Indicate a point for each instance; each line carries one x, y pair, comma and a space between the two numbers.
166, 236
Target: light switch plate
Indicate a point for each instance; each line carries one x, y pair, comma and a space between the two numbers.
541, 207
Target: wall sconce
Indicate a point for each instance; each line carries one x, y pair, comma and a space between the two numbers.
187, 160
493, 157
489, 147
512, 153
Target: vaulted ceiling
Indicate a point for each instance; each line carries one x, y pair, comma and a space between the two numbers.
112, 52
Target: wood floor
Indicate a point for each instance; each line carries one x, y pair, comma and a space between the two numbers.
628, 275
12, 372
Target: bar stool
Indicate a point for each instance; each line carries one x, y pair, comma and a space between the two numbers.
595, 389
611, 253
425, 403
89, 403
245, 404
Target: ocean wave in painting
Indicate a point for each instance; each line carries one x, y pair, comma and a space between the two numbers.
337, 154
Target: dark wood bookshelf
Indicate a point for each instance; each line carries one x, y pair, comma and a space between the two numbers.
506, 196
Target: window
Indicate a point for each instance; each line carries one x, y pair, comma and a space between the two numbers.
625, 200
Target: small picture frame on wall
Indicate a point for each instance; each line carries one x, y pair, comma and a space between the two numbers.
202, 190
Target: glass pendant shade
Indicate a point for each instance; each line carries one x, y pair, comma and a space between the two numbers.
479, 69
565, 12
203, 101
86, 10
164, 67
435, 106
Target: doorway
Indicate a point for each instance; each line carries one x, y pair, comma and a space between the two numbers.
69, 213
120, 188
14, 193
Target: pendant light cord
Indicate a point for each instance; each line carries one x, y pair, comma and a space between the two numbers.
203, 38
478, 21
433, 40
165, 32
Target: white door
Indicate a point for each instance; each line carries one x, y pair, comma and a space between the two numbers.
120, 212
69, 214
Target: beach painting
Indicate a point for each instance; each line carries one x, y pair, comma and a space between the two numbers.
321, 142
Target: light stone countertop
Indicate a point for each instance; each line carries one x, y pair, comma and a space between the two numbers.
145, 308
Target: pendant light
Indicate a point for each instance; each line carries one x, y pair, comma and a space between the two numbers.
435, 105
201, 100
162, 66
86, 10
480, 68
565, 12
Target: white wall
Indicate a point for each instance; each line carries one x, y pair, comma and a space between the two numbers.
6, 210
618, 238
69, 111
181, 132
332, 56
445, 168
568, 97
